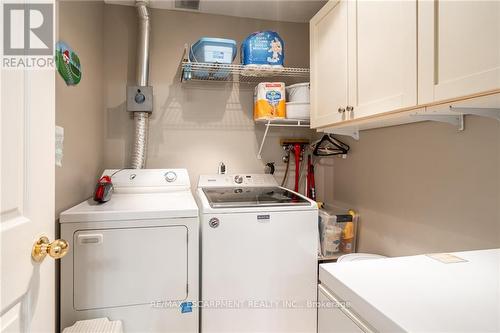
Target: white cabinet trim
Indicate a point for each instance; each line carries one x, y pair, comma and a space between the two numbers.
346, 311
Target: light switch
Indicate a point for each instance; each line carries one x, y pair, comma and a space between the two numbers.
59, 145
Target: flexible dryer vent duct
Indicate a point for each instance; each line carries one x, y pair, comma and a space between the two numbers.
141, 119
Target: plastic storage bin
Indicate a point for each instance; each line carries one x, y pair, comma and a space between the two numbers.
298, 93
337, 233
297, 110
213, 50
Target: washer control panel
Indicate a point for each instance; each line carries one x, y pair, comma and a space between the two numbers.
239, 180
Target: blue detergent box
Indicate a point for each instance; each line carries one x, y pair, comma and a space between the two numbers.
263, 48
213, 50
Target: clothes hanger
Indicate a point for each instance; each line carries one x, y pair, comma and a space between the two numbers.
328, 145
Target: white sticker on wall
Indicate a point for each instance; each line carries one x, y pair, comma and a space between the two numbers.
59, 145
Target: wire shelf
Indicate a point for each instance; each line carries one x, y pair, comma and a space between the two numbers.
235, 73
197, 71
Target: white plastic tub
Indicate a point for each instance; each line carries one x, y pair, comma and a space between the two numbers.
300, 111
298, 93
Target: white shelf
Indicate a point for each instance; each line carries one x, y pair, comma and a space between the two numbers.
279, 123
286, 122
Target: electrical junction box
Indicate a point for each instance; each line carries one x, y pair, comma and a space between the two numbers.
139, 99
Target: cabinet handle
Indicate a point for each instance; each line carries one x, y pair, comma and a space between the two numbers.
350, 108
341, 110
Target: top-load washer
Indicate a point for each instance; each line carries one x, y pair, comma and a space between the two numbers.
259, 255
135, 257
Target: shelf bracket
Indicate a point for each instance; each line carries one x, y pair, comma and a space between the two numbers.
455, 120
185, 72
482, 112
279, 123
268, 124
353, 132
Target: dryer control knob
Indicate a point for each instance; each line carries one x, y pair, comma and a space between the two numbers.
170, 176
238, 179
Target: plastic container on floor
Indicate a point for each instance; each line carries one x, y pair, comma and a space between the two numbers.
336, 230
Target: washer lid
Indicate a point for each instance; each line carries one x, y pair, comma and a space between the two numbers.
136, 206
231, 197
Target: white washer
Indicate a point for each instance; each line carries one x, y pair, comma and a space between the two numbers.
259, 256
135, 257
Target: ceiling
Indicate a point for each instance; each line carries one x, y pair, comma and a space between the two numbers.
276, 10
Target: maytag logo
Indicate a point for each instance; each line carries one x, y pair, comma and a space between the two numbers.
263, 218
28, 35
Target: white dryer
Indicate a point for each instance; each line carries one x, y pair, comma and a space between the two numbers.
135, 257
259, 256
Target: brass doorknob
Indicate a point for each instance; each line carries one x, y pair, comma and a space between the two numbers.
57, 249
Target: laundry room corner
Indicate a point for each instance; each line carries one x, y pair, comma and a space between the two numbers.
250, 166
423, 187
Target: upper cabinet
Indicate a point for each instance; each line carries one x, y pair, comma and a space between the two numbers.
371, 59
329, 81
382, 56
459, 48
363, 59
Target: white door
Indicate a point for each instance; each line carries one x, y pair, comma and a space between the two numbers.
27, 199
329, 63
459, 48
383, 44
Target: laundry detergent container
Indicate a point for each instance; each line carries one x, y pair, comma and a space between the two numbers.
263, 48
269, 101
213, 50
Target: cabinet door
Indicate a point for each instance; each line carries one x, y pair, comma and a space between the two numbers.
331, 319
383, 42
459, 48
328, 38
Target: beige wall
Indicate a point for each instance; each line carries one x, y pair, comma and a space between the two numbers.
423, 187
80, 109
194, 127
